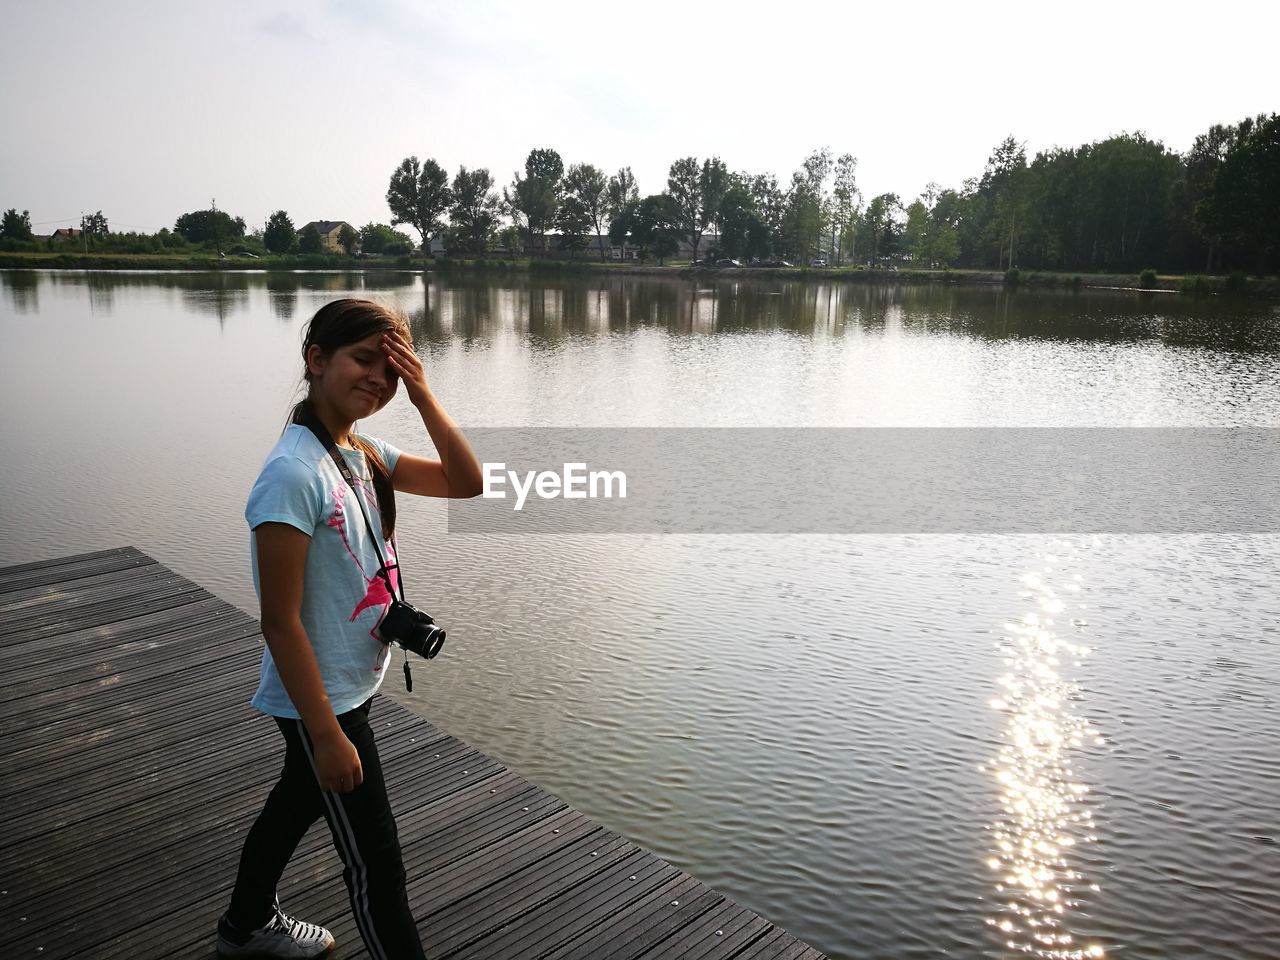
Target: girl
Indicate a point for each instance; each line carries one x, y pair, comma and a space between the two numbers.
323, 592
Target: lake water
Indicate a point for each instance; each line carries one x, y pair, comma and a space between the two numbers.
895, 746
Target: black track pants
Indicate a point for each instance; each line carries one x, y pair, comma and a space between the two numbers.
364, 832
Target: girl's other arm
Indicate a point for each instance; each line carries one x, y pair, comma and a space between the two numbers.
282, 554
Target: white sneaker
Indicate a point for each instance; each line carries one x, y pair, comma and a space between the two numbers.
281, 936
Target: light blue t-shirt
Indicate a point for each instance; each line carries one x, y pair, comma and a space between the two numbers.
343, 596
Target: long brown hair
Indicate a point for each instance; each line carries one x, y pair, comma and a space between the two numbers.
335, 325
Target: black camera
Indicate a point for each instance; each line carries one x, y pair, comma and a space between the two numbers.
414, 630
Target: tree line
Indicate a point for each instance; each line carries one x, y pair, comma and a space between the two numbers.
1121, 204
209, 231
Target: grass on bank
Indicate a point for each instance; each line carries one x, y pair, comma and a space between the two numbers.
1149, 279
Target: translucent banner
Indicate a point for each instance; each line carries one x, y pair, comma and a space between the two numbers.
874, 480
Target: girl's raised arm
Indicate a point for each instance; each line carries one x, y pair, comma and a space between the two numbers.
457, 473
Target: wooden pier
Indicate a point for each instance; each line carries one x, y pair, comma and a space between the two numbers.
133, 767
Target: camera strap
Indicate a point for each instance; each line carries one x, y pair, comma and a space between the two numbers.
344, 468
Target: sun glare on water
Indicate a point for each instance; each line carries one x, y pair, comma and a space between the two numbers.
1043, 803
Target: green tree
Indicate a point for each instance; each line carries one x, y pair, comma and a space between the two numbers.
17, 226
715, 182
573, 220
915, 236
378, 238
1244, 195
280, 236
1005, 180
743, 233
623, 195
212, 227
475, 211
622, 224
1057, 220
509, 238
1206, 156
348, 239
936, 242
419, 196
845, 200
944, 244
926, 240
880, 228
770, 204
590, 188
311, 241
533, 200
622, 191
655, 226
696, 191
1128, 179
94, 227
170, 240
806, 210
684, 187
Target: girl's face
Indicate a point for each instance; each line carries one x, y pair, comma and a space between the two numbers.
355, 380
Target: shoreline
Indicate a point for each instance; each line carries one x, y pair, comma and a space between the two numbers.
1267, 287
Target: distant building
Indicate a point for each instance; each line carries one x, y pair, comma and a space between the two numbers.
65, 233
328, 230
593, 243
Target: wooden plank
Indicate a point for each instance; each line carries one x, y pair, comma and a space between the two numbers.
48, 562
514, 889
562, 834
92, 694
640, 885
796, 950
158, 744
316, 872
135, 767
703, 933
330, 900
64, 599
67, 741
119, 841
123, 844
154, 699
171, 868
640, 927
200, 648
90, 584
582, 909
765, 947
113, 610
22, 575
156, 629
735, 940
193, 858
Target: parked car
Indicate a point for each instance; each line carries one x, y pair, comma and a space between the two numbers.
817, 263
728, 263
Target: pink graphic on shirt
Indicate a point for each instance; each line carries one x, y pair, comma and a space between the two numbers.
376, 593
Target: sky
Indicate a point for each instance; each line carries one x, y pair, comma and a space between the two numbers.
146, 110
